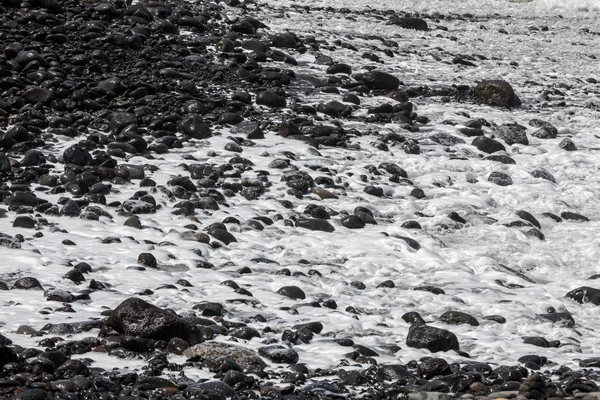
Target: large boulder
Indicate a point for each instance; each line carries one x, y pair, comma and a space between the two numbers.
136, 317
434, 339
496, 92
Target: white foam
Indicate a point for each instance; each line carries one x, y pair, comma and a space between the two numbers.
464, 262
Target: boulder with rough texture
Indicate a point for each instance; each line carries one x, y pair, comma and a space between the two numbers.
496, 92
512, 134
246, 358
136, 317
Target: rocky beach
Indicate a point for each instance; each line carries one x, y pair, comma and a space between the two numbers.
316, 200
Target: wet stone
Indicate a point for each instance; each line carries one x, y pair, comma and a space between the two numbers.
431, 338
293, 292
500, 178
24, 221
279, 354
458, 317
487, 145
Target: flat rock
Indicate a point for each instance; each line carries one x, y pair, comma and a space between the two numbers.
279, 354
315, 224
458, 317
246, 358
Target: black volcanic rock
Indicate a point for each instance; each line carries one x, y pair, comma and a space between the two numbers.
136, 317
195, 127
77, 156
434, 339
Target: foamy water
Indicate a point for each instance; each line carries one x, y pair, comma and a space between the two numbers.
465, 263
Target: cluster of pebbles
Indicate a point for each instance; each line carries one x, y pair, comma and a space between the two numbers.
95, 95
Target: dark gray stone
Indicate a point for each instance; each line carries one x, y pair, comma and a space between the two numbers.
270, 99
315, 224
431, 338
137, 317
487, 145
585, 294
458, 317
279, 354
500, 178
379, 80
512, 134
246, 358
496, 93
293, 292
195, 127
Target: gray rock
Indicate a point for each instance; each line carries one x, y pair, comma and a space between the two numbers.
546, 132
496, 93
270, 99
279, 354
315, 224
487, 145
458, 317
379, 80
567, 145
569, 215
195, 127
214, 389
24, 221
119, 120
512, 133
293, 292
246, 358
540, 173
500, 178
445, 139
37, 95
